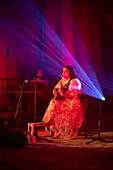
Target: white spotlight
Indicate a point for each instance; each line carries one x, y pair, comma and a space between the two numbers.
103, 98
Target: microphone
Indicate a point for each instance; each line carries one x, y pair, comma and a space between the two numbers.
61, 76
25, 81
59, 79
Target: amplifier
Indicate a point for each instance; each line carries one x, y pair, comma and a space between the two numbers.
41, 130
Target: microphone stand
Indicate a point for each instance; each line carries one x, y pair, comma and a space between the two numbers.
35, 99
19, 105
7, 52
99, 127
35, 110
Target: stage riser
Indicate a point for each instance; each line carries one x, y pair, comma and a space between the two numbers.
41, 130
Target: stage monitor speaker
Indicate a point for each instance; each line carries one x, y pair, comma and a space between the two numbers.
12, 139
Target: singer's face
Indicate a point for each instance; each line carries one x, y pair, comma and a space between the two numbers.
65, 73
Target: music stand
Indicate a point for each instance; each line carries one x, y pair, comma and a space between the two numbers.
99, 127
35, 110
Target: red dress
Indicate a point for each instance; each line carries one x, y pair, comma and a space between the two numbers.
66, 116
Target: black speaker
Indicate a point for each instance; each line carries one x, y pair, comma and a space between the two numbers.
12, 139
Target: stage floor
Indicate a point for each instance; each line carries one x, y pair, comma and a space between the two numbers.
61, 154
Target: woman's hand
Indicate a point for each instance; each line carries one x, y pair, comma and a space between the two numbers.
55, 92
61, 91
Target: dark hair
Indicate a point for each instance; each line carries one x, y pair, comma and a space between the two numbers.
71, 71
